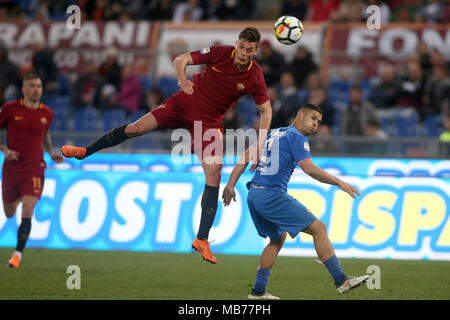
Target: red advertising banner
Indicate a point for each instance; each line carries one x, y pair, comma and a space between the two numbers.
135, 41
354, 45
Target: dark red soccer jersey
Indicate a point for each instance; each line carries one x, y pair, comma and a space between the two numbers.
26, 129
221, 84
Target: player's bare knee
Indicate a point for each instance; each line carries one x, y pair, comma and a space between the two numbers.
278, 244
216, 178
321, 227
10, 208
316, 228
9, 213
213, 178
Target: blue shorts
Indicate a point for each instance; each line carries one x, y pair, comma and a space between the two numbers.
274, 212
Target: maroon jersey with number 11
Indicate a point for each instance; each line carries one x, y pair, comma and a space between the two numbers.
26, 129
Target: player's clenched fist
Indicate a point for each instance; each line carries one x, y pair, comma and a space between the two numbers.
11, 155
187, 86
57, 157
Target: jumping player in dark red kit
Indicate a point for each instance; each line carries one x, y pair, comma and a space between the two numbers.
230, 73
27, 122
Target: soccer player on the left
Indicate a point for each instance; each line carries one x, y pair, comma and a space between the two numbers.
27, 121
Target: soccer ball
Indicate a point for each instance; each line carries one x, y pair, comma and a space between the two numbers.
288, 29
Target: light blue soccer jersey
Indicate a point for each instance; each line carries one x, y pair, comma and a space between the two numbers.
284, 149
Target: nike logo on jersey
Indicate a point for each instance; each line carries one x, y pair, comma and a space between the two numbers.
214, 68
18, 117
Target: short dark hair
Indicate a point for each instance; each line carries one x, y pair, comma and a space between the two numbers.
310, 106
30, 76
251, 34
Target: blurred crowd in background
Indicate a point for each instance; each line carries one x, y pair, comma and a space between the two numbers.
417, 89
430, 11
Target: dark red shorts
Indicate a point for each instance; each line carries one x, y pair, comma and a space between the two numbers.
15, 185
180, 111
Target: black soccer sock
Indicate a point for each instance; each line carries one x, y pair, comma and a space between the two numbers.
210, 198
23, 233
111, 139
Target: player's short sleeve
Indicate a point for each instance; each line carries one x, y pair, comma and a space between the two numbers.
299, 147
260, 92
208, 55
4, 115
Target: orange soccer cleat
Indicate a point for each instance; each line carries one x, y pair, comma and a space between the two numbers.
74, 152
14, 262
202, 246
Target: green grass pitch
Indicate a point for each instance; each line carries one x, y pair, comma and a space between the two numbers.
184, 276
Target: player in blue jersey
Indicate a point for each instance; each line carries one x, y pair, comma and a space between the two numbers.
274, 212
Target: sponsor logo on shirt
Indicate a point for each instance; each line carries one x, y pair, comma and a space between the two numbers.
204, 50
306, 146
18, 117
240, 86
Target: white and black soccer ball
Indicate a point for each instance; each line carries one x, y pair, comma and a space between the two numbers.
288, 29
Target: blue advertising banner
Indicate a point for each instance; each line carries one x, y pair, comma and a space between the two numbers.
152, 203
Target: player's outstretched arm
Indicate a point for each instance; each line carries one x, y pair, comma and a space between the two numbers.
49, 148
180, 63
321, 175
228, 192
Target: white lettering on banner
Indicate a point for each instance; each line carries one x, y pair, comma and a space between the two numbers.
434, 40
134, 34
130, 211
87, 36
142, 33
7, 33
171, 195
229, 222
58, 32
66, 59
387, 40
122, 35
33, 33
384, 41
94, 193
360, 39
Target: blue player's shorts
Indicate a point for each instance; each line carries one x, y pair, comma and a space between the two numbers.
274, 212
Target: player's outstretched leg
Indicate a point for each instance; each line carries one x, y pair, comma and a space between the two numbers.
326, 254
268, 258
114, 137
